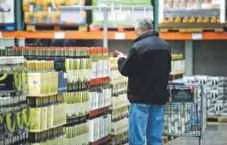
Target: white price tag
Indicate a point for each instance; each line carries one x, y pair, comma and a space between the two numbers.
197, 36
222, 11
59, 35
49, 10
65, 75
31, 8
0, 34
119, 35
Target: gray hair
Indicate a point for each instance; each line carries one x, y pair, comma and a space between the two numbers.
144, 24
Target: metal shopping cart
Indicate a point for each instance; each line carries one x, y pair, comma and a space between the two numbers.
185, 113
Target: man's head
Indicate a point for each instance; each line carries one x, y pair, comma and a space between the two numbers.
143, 25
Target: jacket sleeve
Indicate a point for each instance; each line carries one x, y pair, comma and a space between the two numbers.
170, 63
127, 66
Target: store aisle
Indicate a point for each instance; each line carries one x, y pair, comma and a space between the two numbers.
215, 135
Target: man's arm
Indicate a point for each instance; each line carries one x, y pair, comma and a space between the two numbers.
170, 65
127, 66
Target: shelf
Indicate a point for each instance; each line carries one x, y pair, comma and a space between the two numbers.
102, 140
99, 81
177, 73
97, 112
111, 35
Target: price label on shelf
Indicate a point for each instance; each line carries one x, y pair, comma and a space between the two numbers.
119, 36
59, 35
31, 8
0, 34
197, 36
65, 76
49, 10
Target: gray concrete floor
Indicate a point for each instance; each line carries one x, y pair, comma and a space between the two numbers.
216, 134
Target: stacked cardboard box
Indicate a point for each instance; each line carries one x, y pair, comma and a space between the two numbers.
43, 12
121, 17
214, 91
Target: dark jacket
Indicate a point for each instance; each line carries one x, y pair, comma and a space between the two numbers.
147, 67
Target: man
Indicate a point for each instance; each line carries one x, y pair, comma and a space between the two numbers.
147, 66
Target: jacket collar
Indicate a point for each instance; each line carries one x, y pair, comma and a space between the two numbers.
147, 34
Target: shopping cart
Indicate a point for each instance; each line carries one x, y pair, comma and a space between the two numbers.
185, 113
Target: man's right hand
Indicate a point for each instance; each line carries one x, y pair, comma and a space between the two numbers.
120, 55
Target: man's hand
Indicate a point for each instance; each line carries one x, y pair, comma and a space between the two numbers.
121, 55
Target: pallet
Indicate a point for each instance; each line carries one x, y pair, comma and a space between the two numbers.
110, 28
191, 27
218, 119
7, 27
199, 30
53, 27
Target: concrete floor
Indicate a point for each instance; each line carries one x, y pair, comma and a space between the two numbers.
216, 134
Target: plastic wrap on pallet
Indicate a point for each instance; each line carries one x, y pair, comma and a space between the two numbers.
121, 17
7, 9
45, 12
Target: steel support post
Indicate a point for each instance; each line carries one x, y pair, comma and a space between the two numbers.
188, 48
105, 28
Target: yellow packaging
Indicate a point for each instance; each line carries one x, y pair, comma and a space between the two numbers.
60, 2
35, 119
42, 83
25, 5
40, 2
34, 84
47, 82
55, 17
28, 17
44, 118
56, 82
55, 115
47, 3
36, 144
51, 116
40, 17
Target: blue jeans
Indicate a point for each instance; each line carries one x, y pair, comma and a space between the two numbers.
145, 122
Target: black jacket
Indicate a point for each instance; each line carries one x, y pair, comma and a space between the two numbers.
147, 67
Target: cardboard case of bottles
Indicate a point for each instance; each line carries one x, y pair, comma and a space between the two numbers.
43, 12
191, 13
214, 91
